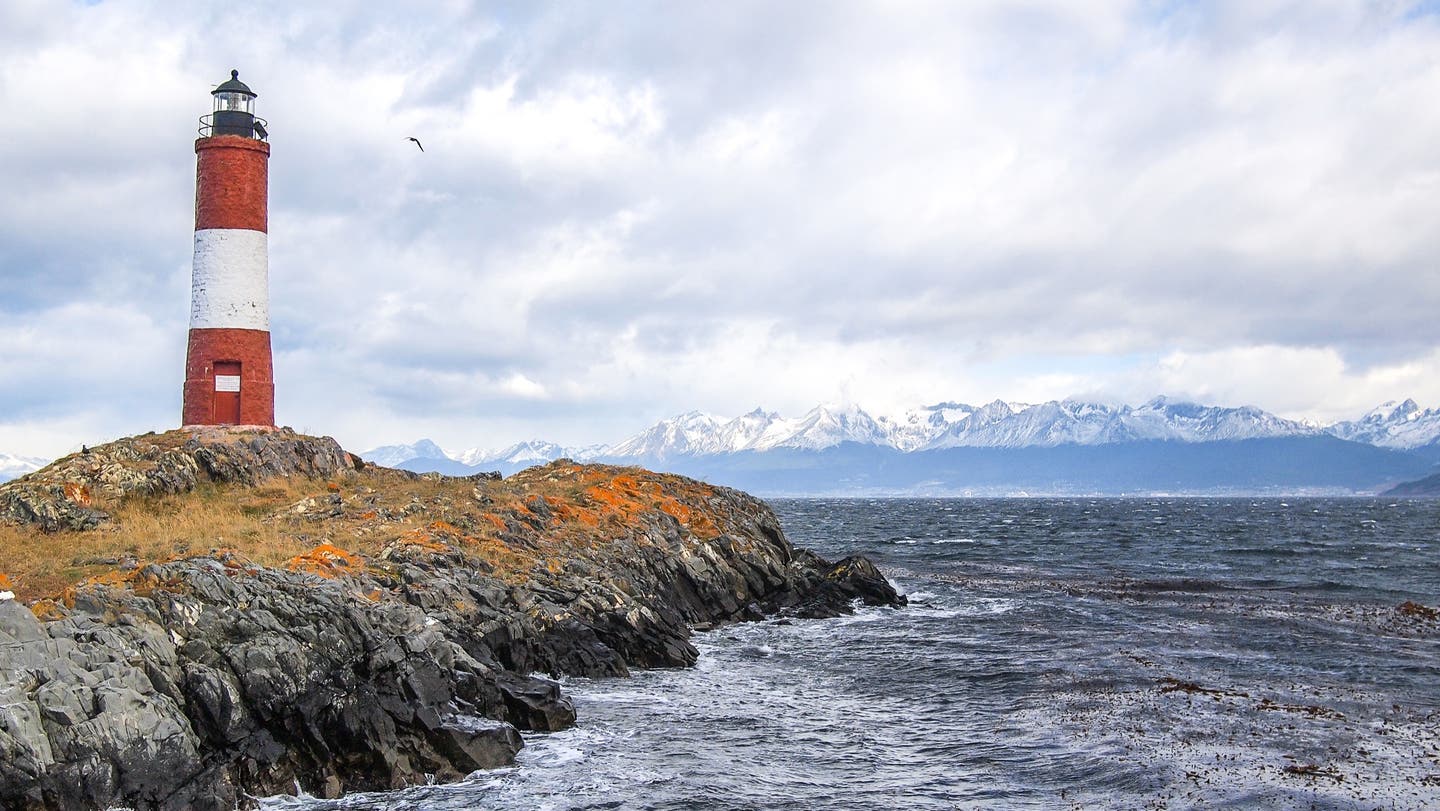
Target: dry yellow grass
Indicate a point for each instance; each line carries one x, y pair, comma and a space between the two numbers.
283, 522
152, 529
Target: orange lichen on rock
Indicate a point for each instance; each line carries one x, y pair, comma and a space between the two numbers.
581, 498
624, 498
430, 538
697, 522
144, 583
568, 512
619, 497
441, 537
78, 493
114, 577
47, 609
326, 560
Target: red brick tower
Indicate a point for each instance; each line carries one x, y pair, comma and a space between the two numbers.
227, 366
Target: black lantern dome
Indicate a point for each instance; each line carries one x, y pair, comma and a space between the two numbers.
234, 109
233, 85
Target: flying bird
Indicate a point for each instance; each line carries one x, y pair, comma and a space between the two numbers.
260, 130
417, 143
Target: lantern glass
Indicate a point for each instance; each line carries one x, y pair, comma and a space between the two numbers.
238, 102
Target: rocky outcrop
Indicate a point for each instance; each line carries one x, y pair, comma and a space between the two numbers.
70, 494
198, 682
634, 603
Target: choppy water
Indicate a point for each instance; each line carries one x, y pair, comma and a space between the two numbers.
1056, 654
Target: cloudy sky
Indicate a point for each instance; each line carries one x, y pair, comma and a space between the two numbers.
626, 210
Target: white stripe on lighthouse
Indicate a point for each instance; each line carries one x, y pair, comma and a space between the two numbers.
230, 284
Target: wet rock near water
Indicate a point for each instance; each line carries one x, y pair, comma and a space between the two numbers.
203, 680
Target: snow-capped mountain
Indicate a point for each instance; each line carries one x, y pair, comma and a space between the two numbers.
821, 427
1073, 422
953, 425
744, 430
1392, 425
698, 434
531, 452
521, 454
918, 427
13, 467
392, 455
1162, 418
693, 433
947, 425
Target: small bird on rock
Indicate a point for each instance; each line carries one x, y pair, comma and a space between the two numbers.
417, 143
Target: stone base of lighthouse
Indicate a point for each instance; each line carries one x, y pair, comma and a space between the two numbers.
228, 378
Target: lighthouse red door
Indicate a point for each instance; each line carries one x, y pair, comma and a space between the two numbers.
227, 392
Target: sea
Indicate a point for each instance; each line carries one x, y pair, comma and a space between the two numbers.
1156, 653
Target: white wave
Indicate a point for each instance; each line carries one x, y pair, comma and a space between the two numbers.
618, 696
995, 605
564, 754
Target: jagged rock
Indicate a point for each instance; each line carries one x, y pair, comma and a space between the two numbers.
820, 589
266, 455
857, 578
258, 678
47, 506
536, 704
70, 493
478, 743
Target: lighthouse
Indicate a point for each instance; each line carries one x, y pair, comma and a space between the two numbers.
227, 365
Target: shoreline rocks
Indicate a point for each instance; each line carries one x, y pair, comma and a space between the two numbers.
199, 682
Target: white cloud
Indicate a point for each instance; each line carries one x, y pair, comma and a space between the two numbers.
622, 214
519, 385
1296, 382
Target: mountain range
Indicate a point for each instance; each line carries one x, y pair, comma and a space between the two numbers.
1001, 448
1066, 446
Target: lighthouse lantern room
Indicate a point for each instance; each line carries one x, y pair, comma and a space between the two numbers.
234, 108
228, 363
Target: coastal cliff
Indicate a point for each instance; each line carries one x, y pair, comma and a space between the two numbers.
202, 617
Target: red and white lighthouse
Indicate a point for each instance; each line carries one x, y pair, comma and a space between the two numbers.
228, 366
